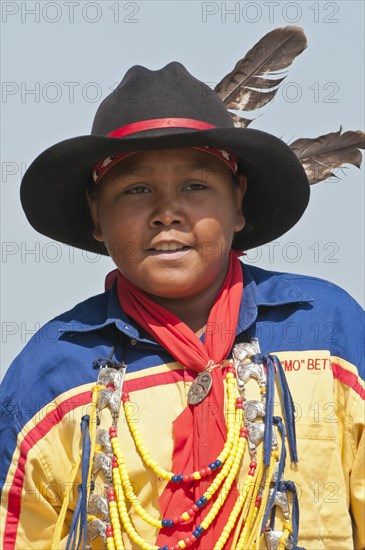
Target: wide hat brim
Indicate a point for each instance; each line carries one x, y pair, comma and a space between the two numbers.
53, 190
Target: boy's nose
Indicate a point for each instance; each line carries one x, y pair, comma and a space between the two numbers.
167, 211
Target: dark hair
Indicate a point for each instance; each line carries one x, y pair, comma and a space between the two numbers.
92, 190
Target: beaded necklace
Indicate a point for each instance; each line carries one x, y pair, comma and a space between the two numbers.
260, 493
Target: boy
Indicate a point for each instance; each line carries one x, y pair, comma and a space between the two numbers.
179, 447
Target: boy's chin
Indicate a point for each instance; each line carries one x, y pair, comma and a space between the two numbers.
175, 290
171, 291
177, 280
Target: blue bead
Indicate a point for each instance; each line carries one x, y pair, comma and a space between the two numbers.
167, 523
218, 464
174, 479
179, 478
212, 466
196, 534
203, 500
199, 503
200, 529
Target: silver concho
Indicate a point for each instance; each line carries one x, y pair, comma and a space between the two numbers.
98, 505
103, 462
103, 439
96, 528
255, 432
281, 500
245, 369
200, 388
111, 377
241, 351
254, 409
272, 539
110, 397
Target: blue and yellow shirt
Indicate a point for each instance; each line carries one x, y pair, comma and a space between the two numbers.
315, 328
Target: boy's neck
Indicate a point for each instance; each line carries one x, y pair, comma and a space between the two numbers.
195, 317
193, 311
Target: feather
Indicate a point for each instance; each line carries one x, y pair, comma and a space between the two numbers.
321, 155
247, 87
240, 122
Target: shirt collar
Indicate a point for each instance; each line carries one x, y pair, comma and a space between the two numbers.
266, 288
261, 288
96, 314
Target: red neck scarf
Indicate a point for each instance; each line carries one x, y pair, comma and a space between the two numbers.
200, 430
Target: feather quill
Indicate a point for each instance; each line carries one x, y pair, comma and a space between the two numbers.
247, 86
241, 122
321, 155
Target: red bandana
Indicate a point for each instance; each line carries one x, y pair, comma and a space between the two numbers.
200, 430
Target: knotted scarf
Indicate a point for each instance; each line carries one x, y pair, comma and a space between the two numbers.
199, 432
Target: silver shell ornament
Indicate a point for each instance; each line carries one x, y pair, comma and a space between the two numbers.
254, 409
103, 463
103, 439
98, 505
110, 396
96, 528
272, 539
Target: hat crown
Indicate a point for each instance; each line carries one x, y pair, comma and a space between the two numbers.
170, 92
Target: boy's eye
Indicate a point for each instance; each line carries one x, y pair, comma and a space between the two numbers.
137, 190
195, 186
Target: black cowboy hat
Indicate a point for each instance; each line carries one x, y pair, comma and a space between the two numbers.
151, 110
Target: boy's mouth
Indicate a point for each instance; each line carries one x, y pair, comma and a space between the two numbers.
169, 248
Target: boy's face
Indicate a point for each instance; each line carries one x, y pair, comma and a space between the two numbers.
167, 218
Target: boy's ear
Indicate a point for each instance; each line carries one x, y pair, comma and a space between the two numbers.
94, 211
240, 193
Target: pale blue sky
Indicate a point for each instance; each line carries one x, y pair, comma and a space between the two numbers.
71, 54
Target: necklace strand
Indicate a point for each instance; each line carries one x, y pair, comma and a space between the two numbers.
199, 474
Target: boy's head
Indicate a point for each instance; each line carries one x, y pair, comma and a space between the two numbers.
157, 113
168, 218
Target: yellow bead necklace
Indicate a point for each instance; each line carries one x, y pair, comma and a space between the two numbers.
228, 462
247, 514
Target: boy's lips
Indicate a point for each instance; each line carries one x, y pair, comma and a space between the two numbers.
169, 249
